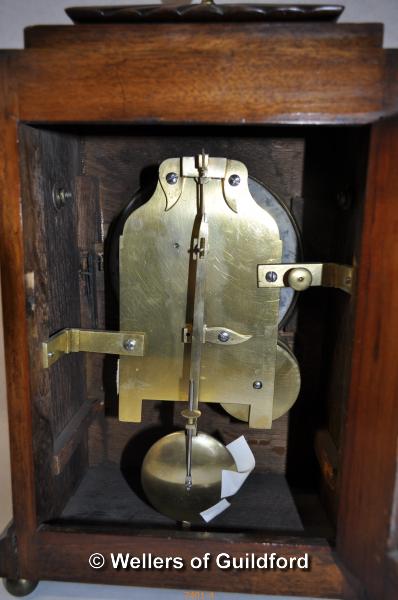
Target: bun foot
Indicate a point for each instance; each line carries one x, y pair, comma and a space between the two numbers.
19, 587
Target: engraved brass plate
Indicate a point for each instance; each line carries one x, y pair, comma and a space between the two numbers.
156, 292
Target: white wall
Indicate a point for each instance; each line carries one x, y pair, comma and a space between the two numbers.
15, 15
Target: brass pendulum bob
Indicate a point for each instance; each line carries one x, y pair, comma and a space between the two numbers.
164, 475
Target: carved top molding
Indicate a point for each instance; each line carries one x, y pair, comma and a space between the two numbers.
205, 12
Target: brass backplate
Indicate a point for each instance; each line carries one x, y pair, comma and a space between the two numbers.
156, 293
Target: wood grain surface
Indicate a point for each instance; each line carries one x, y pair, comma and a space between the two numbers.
49, 161
15, 327
325, 578
232, 73
236, 74
370, 459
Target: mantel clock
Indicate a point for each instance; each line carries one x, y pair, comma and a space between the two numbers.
199, 216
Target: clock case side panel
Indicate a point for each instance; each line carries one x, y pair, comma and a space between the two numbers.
331, 229
365, 537
49, 412
55, 272
15, 553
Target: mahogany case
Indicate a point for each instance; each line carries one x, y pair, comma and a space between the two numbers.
87, 113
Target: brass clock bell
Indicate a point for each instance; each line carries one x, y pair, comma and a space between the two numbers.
208, 270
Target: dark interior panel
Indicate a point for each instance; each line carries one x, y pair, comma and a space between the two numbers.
76, 183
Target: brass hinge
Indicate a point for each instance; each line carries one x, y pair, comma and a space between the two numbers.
302, 276
124, 343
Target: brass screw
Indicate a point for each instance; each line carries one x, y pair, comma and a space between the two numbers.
271, 276
234, 180
60, 197
223, 336
171, 178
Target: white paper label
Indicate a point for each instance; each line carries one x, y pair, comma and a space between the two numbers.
215, 510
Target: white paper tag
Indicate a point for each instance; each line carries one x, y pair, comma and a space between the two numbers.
215, 510
231, 482
242, 455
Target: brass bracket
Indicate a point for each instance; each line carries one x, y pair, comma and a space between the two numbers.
174, 172
125, 343
302, 276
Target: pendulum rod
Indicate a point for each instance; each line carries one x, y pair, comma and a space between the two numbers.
200, 254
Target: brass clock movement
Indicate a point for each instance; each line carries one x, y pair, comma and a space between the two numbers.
207, 272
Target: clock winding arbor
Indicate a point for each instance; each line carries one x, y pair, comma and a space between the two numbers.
121, 238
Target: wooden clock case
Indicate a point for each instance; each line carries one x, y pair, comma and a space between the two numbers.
87, 112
